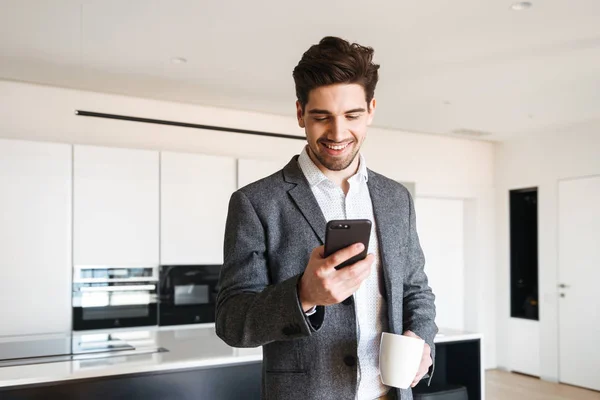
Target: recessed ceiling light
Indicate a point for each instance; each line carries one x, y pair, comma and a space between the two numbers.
178, 60
523, 5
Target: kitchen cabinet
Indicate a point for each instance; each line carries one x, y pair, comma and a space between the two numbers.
35, 237
116, 206
195, 193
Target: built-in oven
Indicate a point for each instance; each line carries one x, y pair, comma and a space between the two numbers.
114, 297
188, 294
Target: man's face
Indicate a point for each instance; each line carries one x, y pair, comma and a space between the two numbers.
335, 120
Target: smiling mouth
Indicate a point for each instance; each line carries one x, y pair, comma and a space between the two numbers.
336, 147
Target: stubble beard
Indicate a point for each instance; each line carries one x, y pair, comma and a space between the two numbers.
334, 164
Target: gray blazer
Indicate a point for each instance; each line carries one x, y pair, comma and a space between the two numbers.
272, 227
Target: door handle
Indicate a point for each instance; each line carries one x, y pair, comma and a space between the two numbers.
563, 286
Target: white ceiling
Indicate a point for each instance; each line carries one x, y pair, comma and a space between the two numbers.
445, 65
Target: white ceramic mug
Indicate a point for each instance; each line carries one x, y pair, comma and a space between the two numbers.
399, 359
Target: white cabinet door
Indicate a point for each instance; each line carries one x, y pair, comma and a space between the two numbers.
116, 206
195, 192
35, 237
252, 170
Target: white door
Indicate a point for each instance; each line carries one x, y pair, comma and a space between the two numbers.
195, 192
579, 272
116, 213
440, 225
252, 170
35, 237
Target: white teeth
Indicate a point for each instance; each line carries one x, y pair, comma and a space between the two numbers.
338, 147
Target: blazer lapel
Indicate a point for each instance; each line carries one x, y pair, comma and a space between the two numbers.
388, 233
304, 198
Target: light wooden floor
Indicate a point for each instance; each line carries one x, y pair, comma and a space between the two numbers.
501, 385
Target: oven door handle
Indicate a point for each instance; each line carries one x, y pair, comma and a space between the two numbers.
123, 288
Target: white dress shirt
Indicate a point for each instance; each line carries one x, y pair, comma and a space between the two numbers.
370, 305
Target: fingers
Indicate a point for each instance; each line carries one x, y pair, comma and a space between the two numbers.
344, 254
426, 362
348, 282
358, 271
331, 286
411, 334
420, 375
415, 382
318, 252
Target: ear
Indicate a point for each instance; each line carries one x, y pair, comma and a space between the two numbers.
371, 112
300, 114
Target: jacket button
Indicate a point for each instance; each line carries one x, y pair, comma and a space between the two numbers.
350, 361
348, 301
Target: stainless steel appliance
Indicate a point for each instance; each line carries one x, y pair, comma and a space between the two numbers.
114, 297
188, 294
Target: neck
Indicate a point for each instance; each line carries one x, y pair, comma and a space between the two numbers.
340, 178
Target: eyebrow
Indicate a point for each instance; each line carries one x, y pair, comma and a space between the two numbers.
327, 112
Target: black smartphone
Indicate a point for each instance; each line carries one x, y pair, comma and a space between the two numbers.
342, 233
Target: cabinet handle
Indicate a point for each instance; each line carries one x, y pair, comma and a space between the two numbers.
563, 286
131, 288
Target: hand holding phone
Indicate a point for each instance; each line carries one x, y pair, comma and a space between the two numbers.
346, 232
333, 275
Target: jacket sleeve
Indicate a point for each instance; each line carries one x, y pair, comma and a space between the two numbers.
418, 303
250, 311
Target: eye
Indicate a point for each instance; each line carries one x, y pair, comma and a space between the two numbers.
352, 116
320, 119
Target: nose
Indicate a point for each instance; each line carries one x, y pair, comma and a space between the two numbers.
338, 128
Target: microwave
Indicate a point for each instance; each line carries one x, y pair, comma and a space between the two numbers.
187, 294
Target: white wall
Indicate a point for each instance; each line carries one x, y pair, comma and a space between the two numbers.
441, 166
537, 161
441, 233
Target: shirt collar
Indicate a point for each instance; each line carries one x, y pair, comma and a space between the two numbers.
362, 172
315, 176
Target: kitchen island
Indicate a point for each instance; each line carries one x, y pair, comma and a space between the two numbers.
190, 362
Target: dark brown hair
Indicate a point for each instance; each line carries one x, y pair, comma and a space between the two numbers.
335, 60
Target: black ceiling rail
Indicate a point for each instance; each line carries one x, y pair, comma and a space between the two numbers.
184, 124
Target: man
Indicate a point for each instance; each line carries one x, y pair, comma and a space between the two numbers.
320, 327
